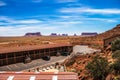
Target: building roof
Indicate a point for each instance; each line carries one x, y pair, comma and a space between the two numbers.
30, 47
38, 76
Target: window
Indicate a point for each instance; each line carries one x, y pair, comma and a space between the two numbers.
2, 56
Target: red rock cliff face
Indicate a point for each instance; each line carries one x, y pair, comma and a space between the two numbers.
109, 33
91, 41
96, 41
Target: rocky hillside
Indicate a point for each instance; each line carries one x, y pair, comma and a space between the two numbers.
114, 31
96, 41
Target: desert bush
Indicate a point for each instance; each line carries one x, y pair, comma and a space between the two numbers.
70, 62
98, 68
116, 67
116, 54
78, 62
117, 77
73, 70
115, 45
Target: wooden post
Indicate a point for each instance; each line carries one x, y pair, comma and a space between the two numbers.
49, 51
6, 59
14, 57
43, 52
34, 54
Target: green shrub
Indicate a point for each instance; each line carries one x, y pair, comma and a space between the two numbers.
98, 68
72, 70
70, 62
116, 67
78, 62
115, 45
116, 54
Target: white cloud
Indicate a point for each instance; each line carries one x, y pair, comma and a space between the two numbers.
7, 19
112, 20
90, 10
2, 3
71, 17
68, 22
14, 31
100, 19
65, 17
28, 21
36, 1
81, 19
61, 23
13, 21
21, 30
50, 28
65, 1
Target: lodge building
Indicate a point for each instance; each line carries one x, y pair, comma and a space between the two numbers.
109, 40
12, 55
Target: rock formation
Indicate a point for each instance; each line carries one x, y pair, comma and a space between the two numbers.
98, 40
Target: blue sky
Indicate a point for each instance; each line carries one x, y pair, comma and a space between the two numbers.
57, 16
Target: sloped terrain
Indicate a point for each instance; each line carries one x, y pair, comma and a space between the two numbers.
109, 33
96, 41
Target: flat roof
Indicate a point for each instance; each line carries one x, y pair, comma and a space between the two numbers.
38, 76
30, 47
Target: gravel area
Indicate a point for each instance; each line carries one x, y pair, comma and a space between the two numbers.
83, 49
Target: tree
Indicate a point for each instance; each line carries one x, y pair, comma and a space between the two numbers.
98, 68
116, 67
116, 55
116, 64
115, 45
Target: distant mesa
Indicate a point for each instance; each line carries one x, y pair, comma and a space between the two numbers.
33, 34
75, 35
53, 34
64, 34
89, 34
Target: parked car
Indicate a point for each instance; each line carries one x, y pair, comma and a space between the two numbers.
65, 53
47, 58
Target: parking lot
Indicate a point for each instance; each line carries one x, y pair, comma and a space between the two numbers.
34, 63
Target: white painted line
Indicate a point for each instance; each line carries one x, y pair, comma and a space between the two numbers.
10, 78
55, 78
32, 78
